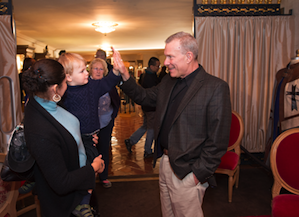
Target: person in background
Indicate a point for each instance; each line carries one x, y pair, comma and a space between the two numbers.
26, 64
63, 177
102, 55
192, 126
107, 111
147, 80
163, 72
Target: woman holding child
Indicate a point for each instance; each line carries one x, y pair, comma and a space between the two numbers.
63, 177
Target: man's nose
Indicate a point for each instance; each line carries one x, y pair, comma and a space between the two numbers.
166, 62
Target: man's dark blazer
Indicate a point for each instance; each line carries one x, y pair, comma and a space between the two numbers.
199, 134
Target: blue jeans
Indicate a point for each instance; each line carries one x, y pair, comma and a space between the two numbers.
148, 126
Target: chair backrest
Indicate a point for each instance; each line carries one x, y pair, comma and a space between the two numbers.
236, 133
9, 195
284, 160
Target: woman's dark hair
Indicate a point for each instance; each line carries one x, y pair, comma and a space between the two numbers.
27, 63
41, 75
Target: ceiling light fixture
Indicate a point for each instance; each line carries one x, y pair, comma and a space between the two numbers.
105, 27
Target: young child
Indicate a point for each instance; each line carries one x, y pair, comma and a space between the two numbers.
82, 96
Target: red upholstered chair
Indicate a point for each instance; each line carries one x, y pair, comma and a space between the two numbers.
284, 160
230, 162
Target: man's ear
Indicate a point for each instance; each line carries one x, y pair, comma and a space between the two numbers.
68, 78
189, 56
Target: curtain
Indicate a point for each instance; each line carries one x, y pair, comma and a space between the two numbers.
8, 68
247, 52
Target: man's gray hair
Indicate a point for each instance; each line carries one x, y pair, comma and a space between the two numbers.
187, 42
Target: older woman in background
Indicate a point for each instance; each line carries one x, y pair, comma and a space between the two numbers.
107, 110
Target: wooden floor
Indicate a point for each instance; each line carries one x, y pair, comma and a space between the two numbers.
123, 163
252, 198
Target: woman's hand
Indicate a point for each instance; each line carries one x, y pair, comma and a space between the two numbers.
98, 164
119, 66
95, 139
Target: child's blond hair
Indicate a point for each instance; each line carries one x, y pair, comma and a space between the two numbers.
67, 60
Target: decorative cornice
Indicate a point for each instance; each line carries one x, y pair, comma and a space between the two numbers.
236, 9
3, 9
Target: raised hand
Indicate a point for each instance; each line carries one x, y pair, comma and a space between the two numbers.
119, 66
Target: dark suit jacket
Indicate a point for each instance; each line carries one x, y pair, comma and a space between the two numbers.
200, 129
60, 182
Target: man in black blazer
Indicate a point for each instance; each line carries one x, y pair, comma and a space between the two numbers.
192, 125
